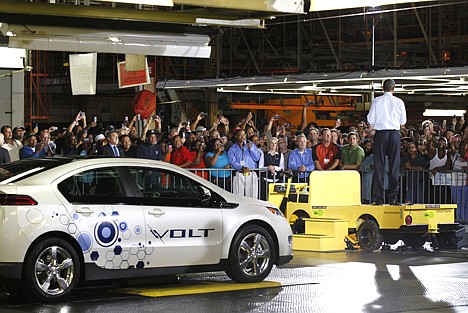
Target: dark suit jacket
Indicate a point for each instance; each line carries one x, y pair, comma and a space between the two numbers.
107, 151
4, 156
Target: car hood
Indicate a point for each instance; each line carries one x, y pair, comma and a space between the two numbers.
230, 197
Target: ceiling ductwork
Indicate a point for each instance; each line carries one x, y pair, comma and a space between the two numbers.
107, 41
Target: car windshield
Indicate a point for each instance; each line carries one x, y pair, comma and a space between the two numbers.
21, 169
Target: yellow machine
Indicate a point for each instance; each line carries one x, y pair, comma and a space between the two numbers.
327, 212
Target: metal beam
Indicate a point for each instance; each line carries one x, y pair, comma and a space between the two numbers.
110, 13
274, 6
423, 30
330, 43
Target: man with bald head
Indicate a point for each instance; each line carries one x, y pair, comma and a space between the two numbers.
386, 115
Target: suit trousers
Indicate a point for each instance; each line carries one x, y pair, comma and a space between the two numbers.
386, 143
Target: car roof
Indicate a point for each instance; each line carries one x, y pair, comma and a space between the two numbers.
26, 168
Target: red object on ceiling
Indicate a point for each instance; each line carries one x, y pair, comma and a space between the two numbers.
144, 103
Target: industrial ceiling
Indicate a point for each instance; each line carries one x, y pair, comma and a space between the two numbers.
182, 28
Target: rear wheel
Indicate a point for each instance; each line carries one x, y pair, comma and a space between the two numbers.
369, 236
52, 270
251, 256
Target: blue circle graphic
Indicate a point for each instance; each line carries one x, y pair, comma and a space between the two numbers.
123, 226
106, 233
85, 241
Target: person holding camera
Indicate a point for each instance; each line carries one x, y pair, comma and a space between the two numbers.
387, 115
216, 157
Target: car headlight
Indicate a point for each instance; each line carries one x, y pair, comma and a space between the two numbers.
275, 211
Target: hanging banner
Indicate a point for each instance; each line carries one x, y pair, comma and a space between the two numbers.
83, 71
129, 78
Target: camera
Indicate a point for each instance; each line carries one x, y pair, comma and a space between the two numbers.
203, 114
276, 116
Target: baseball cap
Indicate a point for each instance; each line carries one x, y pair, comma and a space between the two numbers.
151, 132
19, 127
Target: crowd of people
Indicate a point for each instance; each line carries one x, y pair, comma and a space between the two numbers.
238, 156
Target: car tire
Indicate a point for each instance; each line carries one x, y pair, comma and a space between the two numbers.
251, 256
369, 236
52, 270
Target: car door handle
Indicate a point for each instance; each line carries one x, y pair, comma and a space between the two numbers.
85, 211
157, 212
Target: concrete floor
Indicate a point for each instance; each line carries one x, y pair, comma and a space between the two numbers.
347, 281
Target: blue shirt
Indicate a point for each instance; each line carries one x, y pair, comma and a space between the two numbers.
297, 159
147, 151
27, 152
221, 162
243, 156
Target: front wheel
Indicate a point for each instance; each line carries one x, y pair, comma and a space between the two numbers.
52, 270
251, 256
369, 236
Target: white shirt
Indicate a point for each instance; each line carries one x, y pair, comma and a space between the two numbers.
13, 149
387, 112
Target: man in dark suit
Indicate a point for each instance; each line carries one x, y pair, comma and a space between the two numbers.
112, 148
4, 155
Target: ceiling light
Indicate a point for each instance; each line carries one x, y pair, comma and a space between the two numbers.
114, 39
435, 112
255, 23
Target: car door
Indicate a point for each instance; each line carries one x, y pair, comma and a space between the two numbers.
182, 229
108, 227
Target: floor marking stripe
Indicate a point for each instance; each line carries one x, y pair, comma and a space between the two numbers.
199, 288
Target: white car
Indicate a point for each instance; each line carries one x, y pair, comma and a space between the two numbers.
64, 220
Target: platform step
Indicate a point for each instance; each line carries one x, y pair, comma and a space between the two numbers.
318, 242
326, 226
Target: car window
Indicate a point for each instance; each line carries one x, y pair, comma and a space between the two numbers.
15, 171
93, 186
166, 188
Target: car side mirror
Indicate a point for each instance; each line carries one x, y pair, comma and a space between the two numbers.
204, 194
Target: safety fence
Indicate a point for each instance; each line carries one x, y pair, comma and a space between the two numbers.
445, 187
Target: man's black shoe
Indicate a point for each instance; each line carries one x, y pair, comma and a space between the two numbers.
394, 202
376, 203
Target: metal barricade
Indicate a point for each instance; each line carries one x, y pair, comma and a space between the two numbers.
443, 187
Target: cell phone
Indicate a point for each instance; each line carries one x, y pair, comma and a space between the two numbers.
82, 113
126, 119
203, 114
276, 116
95, 119
85, 139
139, 117
338, 120
169, 147
54, 128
